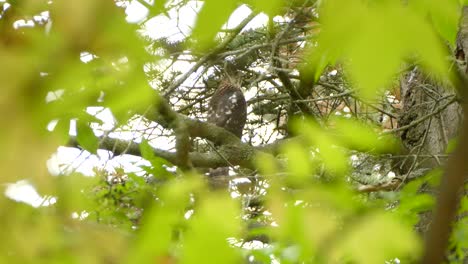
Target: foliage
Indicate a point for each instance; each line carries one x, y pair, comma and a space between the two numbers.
300, 193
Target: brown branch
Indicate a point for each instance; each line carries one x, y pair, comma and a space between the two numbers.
233, 151
171, 120
199, 160
232, 148
386, 186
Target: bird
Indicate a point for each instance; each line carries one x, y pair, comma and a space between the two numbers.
227, 109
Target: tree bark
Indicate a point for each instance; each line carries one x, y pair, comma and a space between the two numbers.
420, 97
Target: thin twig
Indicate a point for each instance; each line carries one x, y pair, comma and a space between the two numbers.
208, 56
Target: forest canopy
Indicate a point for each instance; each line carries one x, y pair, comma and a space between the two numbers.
230, 131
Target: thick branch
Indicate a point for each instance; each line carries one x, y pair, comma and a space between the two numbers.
234, 156
232, 151
163, 114
172, 121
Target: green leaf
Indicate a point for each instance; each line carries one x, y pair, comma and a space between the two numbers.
359, 136
464, 204
269, 7
452, 144
374, 39
395, 240
211, 17
62, 129
216, 220
340, 23
157, 8
86, 137
299, 163
146, 150
159, 222
266, 164
434, 177
333, 156
411, 206
444, 16
157, 163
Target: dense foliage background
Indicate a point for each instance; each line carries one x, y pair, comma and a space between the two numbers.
353, 112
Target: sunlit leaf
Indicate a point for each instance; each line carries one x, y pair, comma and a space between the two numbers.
459, 238
340, 23
337, 197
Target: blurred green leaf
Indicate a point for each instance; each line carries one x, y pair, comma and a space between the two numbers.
444, 16
70, 194
160, 222
434, 177
157, 8
62, 129
375, 38
269, 7
333, 156
299, 164
86, 137
362, 137
395, 240
211, 17
410, 208
215, 221
451, 146
464, 204
459, 239
157, 163
267, 164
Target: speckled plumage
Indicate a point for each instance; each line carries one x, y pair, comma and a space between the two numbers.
228, 108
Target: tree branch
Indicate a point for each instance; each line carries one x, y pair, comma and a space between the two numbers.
423, 118
199, 160
208, 56
233, 151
